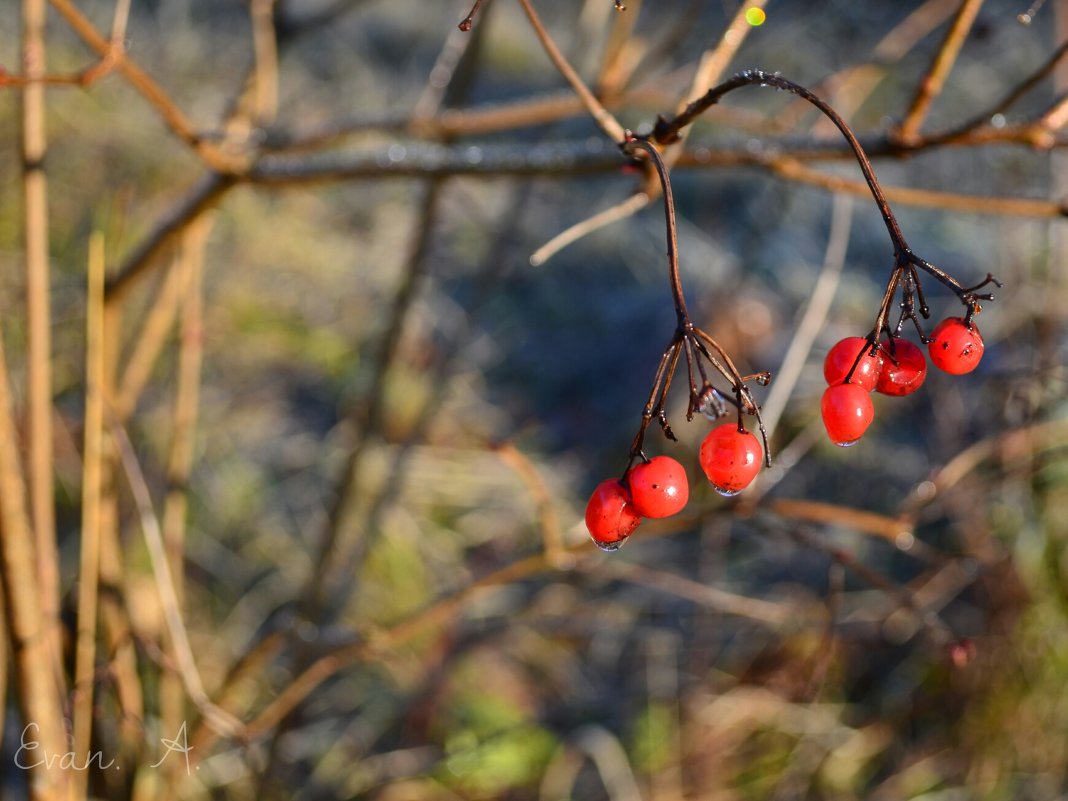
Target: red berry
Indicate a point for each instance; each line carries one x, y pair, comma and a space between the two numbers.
658, 488
847, 412
840, 361
955, 347
610, 516
730, 457
904, 368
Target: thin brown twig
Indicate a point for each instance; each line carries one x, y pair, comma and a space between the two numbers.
613, 214
932, 82
549, 522
147, 87
265, 48
1032, 439
853, 85
183, 438
149, 342
35, 76
250, 665
218, 719
982, 119
205, 195
815, 314
583, 158
1054, 119
115, 613
447, 123
602, 116
727, 603
619, 60
927, 620
713, 64
895, 530
794, 170
81, 80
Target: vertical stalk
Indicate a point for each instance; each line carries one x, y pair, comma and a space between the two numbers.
180, 458
114, 615
89, 572
672, 236
265, 47
38, 691
38, 319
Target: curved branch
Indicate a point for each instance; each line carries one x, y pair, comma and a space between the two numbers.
631, 147
667, 131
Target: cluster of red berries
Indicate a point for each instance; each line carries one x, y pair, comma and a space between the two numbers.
730, 457
896, 367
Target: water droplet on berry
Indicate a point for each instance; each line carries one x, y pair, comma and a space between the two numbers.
609, 547
726, 493
847, 444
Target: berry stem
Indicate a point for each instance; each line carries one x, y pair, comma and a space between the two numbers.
629, 147
468, 21
654, 406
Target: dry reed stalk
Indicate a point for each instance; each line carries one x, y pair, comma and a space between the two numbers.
39, 691
183, 441
40, 476
89, 568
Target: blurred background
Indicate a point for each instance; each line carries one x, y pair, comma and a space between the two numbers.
371, 424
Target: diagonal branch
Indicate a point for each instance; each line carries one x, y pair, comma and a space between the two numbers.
931, 84
602, 116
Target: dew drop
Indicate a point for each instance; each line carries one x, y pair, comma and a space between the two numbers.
710, 403
849, 444
997, 121
726, 493
396, 153
609, 547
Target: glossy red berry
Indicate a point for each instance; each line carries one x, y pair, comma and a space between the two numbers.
840, 361
659, 487
610, 516
730, 458
955, 347
904, 368
847, 412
